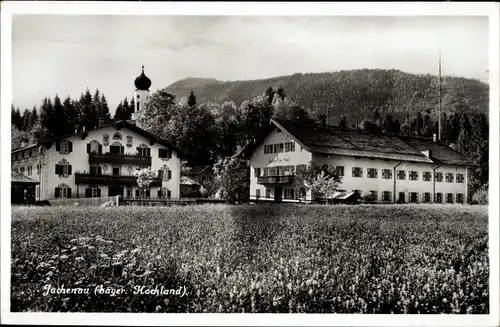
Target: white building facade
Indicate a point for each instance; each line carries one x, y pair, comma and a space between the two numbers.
400, 169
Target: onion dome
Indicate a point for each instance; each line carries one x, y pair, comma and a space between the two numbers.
142, 82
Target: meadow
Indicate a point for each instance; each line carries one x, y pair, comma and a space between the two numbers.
253, 258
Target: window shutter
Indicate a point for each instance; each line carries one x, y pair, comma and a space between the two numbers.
57, 192
70, 146
136, 193
169, 194
160, 173
88, 147
160, 153
138, 151
69, 192
57, 169
148, 193
99, 170
169, 174
98, 192
58, 145
100, 148
88, 193
122, 149
69, 169
149, 152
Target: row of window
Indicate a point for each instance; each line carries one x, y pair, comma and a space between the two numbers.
24, 154
279, 147
358, 172
414, 197
287, 193
29, 170
95, 192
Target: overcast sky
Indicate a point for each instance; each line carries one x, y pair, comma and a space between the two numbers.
66, 54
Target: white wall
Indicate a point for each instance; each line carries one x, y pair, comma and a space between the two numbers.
365, 184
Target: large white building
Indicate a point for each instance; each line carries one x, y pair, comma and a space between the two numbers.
390, 168
101, 162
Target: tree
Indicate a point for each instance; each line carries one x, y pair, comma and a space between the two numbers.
232, 178
419, 124
16, 117
158, 111
144, 179
322, 180
227, 122
127, 111
104, 115
61, 119
26, 120
191, 102
34, 116
119, 114
89, 117
281, 93
18, 136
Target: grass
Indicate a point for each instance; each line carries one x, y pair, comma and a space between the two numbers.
254, 258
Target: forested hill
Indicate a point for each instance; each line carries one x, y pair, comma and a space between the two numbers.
353, 93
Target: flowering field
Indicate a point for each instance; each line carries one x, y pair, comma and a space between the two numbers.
253, 258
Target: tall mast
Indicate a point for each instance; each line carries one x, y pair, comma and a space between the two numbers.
440, 98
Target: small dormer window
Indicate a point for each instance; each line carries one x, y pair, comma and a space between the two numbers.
117, 136
64, 146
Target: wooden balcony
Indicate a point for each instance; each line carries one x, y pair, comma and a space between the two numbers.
126, 180
113, 158
283, 179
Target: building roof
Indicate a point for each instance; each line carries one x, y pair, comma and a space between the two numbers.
349, 142
197, 170
188, 181
17, 177
142, 82
118, 124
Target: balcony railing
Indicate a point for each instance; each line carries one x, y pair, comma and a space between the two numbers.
111, 179
283, 179
114, 158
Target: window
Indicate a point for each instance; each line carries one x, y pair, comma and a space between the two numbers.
257, 193
289, 193
63, 191
402, 197
449, 198
449, 177
401, 174
160, 194
143, 151
169, 194
148, 193
22, 155
116, 171
94, 147
439, 198
460, 179
357, 172
63, 168
340, 170
427, 176
289, 146
266, 171
64, 146
268, 193
117, 136
281, 147
426, 197
268, 148
165, 153
138, 104
386, 196
93, 192
95, 170
116, 148
30, 170
413, 175
256, 172
29, 153
372, 172
129, 192
438, 177
374, 195
413, 197
38, 169
299, 168
386, 174
460, 198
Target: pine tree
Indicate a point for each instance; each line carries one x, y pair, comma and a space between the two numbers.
104, 115
60, 119
191, 99
34, 116
71, 114
119, 112
132, 105
26, 120
127, 112
281, 93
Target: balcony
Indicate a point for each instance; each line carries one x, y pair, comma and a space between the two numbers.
283, 179
113, 158
111, 179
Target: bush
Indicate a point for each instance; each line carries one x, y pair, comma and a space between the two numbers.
481, 196
369, 198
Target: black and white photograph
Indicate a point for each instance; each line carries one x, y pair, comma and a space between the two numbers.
329, 165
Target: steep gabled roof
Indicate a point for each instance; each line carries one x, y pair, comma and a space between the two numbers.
118, 124
349, 142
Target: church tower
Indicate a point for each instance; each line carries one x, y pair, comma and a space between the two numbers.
141, 95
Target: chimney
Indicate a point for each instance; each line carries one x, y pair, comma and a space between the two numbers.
24, 143
434, 137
